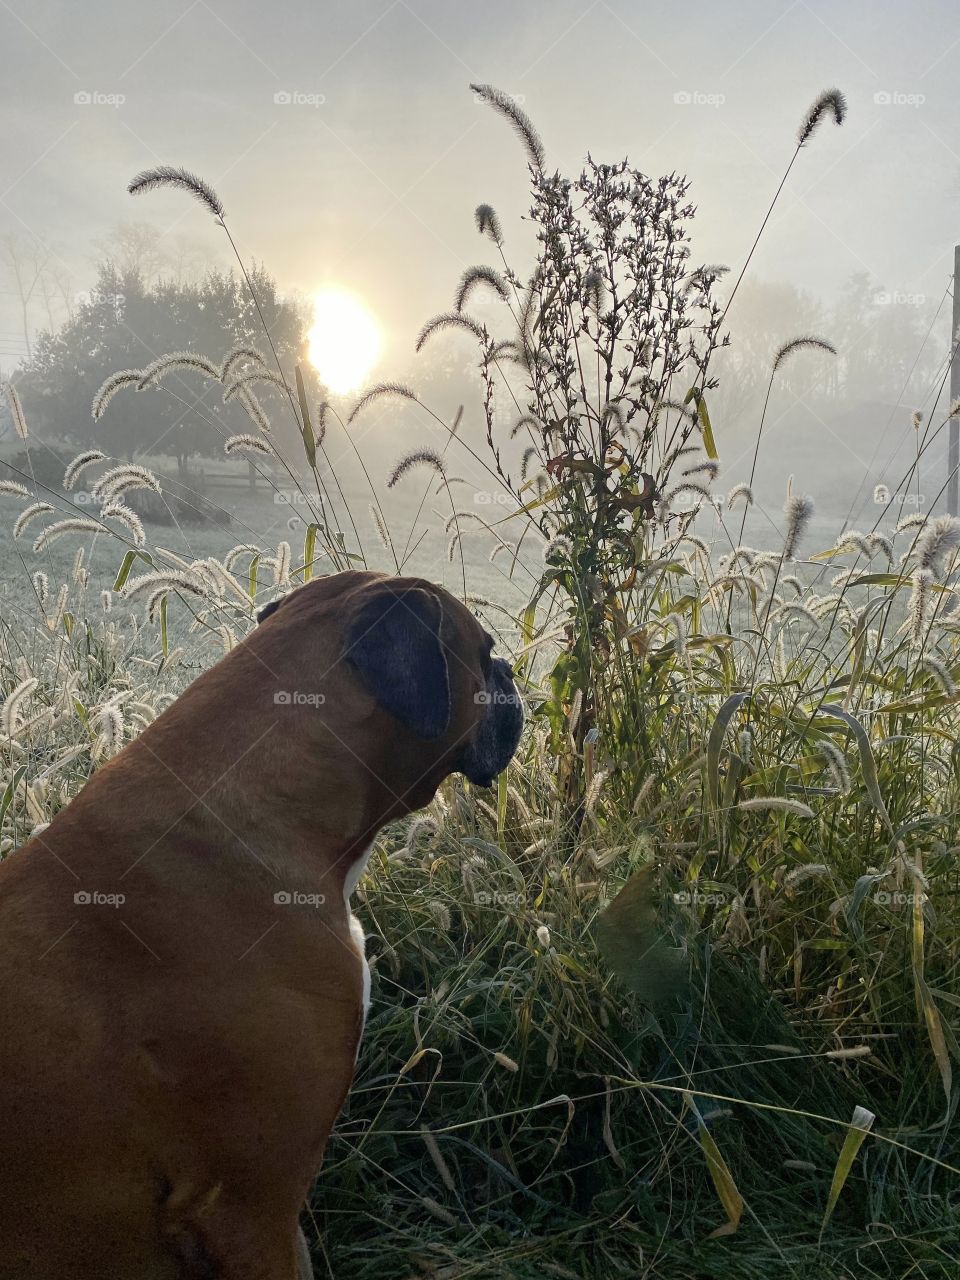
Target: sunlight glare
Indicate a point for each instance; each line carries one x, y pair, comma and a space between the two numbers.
344, 340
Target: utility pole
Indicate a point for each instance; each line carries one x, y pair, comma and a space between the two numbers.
953, 453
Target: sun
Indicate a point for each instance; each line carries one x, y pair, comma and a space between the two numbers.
344, 341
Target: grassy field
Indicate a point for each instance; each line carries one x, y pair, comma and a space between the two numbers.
678, 998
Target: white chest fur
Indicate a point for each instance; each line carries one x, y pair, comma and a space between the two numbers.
356, 929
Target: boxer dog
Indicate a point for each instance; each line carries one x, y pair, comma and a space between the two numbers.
182, 983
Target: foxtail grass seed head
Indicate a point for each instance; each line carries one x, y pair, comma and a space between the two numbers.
474, 276
79, 464
16, 409
110, 387
417, 458
246, 443
916, 419
854, 541
14, 703
740, 493
798, 511
938, 541
919, 607
558, 548
934, 667
521, 123
709, 468
780, 804
74, 525
123, 478
166, 580
13, 489
29, 513
449, 320
880, 542
378, 392
836, 763
383, 533
168, 175
593, 291
254, 410
126, 516
41, 585
507, 1062
239, 355
809, 871
154, 372
805, 343
488, 224
830, 103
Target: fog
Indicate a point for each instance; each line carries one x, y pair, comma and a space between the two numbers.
348, 149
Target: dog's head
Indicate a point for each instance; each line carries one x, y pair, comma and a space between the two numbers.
415, 670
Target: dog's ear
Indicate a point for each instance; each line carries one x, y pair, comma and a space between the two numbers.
393, 640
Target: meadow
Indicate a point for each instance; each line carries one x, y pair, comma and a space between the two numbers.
678, 997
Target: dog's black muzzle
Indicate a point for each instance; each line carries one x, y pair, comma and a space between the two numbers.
496, 740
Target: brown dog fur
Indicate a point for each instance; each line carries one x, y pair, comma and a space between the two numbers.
170, 1069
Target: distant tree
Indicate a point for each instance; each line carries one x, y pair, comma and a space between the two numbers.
23, 260
126, 324
140, 248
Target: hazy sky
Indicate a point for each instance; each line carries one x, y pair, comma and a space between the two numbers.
370, 176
